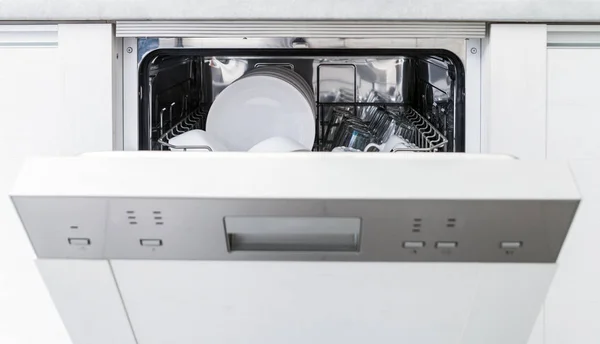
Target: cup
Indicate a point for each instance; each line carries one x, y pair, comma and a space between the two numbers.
278, 144
352, 134
338, 116
367, 113
394, 142
196, 140
383, 125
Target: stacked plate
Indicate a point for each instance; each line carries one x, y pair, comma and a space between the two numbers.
266, 102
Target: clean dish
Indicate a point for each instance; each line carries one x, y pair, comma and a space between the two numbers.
394, 142
258, 107
278, 144
290, 76
197, 140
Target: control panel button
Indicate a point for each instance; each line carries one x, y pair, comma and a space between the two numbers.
79, 241
413, 244
151, 242
446, 244
511, 244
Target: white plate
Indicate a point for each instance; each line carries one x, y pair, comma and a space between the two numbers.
278, 144
258, 107
290, 76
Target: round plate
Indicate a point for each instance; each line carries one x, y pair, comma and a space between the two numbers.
258, 107
287, 75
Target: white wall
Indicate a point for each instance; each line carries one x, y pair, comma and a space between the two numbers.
55, 99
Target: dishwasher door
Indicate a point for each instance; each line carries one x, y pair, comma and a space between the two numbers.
192, 247
297, 206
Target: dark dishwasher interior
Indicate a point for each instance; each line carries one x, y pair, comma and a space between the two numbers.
179, 85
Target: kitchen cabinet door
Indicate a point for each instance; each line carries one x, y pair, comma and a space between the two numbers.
514, 99
55, 99
573, 123
30, 103
514, 91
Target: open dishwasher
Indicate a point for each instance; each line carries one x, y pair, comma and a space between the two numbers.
152, 246
178, 87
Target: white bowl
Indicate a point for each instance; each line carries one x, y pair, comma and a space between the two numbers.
278, 144
258, 107
197, 138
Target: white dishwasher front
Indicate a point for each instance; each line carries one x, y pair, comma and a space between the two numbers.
297, 247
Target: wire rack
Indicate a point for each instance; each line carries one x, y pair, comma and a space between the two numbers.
425, 137
422, 135
194, 120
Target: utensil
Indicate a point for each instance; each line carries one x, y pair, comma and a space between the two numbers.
258, 107
196, 140
278, 144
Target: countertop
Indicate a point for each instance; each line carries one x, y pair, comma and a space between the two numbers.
460, 10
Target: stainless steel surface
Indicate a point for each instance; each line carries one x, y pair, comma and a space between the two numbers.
116, 199
456, 46
193, 228
302, 28
180, 81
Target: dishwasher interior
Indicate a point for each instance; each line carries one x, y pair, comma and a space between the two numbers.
425, 86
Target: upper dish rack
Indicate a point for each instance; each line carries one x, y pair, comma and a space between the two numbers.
425, 137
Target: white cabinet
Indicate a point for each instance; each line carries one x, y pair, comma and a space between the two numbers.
514, 102
30, 103
56, 98
573, 105
514, 91
540, 103
573, 303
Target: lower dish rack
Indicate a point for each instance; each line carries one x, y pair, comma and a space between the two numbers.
422, 136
